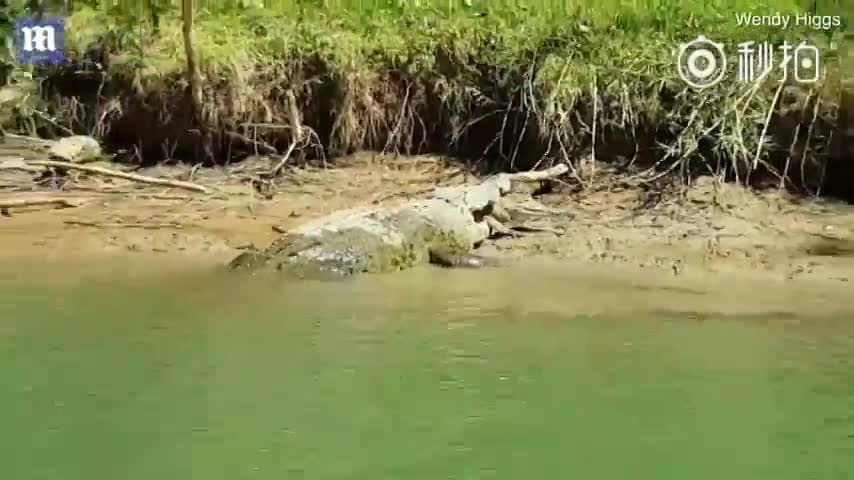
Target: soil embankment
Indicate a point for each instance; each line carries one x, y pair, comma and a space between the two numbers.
505, 89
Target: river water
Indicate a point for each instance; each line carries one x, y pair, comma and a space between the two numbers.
429, 374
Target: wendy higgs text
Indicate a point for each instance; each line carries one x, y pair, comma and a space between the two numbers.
818, 22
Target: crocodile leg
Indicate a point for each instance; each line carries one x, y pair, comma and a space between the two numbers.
499, 213
446, 258
496, 228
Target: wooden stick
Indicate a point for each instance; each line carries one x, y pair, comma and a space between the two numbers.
31, 202
5, 205
532, 229
147, 226
540, 175
144, 196
127, 176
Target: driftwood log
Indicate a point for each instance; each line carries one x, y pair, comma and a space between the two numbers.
117, 174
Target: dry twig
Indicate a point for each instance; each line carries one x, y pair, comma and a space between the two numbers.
147, 226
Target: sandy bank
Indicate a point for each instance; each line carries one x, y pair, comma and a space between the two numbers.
704, 229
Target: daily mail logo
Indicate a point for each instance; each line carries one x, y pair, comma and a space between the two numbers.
40, 41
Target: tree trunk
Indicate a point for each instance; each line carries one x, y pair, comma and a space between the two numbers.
194, 76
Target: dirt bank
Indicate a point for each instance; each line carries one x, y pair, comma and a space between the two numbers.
703, 229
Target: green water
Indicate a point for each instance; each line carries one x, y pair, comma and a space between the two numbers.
433, 375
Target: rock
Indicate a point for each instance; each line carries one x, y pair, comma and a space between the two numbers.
12, 99
76, 149
18, 98
12, 95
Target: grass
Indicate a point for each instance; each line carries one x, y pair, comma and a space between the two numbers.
515, 84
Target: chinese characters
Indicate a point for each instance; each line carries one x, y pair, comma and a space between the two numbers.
703, 63
757, 60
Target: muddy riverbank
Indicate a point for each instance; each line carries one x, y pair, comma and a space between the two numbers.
704, 229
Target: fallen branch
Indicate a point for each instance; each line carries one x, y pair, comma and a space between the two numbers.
116, 174
5, 205
540, 175
147, 226
158, 197
31, 202
525, 228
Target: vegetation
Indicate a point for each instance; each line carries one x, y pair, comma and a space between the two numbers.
503, 84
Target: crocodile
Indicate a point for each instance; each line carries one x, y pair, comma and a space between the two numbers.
442, 229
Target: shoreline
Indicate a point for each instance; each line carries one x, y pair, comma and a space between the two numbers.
706, 229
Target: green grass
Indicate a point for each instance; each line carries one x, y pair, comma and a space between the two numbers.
378, 73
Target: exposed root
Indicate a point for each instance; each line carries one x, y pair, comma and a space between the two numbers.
261, 147
284, 160
299, 137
